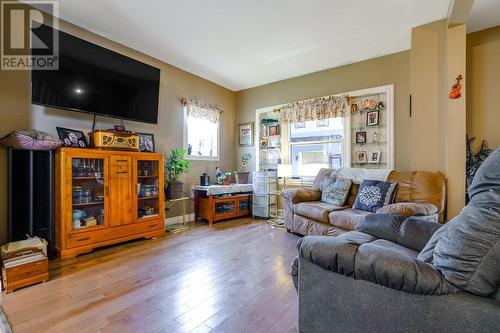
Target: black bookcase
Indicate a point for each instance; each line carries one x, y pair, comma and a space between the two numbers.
31, 195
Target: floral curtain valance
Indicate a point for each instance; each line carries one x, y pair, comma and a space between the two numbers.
199, 108
314, 109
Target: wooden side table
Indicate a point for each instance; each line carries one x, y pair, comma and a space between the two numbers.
178, 227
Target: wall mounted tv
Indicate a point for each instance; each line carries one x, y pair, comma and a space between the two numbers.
96, 80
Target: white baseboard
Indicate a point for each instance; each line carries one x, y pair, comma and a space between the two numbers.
178, 219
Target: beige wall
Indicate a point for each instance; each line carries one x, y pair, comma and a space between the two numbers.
16, 112
391, 69
427, 83
483, 86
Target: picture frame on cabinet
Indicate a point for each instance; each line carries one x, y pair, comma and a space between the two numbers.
372, 118
146, 142
72, 138
360, 137
375, 157
361, 157
274, 130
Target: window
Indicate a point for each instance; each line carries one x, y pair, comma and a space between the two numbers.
201, 138
316, 144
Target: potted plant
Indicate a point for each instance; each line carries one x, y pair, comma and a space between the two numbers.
242, 174
175, 166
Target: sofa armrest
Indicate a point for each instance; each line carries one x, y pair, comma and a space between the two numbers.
333, 253
296, 195
396, 270
411, 232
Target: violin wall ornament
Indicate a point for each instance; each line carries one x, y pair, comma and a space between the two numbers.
456, 89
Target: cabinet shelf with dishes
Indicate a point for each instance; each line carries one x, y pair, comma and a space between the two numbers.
97, 193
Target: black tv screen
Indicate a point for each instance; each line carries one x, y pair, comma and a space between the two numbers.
96, 80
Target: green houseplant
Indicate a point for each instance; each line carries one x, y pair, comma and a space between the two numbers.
175, 166
242, 174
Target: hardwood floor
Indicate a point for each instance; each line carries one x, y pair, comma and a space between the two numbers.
231, 277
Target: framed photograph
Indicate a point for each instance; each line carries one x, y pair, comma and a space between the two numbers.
72, 138
322, 123
245, 135
146, 142
300, 125
360, 137
263, 143
274, 130
372, 118
361, 157
374, 157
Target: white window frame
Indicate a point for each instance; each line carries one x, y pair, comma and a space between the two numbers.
343, 142
185, 141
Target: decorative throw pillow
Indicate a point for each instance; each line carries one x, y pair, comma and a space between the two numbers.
336, 191
30, 140
374, 194
408, 209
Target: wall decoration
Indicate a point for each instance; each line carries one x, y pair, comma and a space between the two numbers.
146, 142
360, 137
72, 138
245, 135
369, 104
322, 123
301, 124
263, 143
361, 157
375, 137
456, 89
374, 157
354, 108
372, 118
274, 130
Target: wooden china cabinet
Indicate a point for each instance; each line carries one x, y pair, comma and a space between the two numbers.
105, 197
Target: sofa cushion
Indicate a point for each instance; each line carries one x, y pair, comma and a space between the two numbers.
333, 253
409, 209
468, 249
410, 232
320, 178
315, 210
296, 195
390, 266
348, 218
335, 190
374, 194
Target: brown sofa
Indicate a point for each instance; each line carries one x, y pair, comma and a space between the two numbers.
306, 214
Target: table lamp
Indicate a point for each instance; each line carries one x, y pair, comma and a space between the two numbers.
284, 171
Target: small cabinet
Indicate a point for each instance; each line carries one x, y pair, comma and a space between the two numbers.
102, 196
220, 207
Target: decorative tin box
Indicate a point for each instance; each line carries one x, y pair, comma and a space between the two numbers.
109, 139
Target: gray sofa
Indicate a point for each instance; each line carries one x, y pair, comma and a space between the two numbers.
407, 275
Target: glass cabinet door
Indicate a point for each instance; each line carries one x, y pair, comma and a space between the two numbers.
243, 205
225, 207
87, 192
148, 203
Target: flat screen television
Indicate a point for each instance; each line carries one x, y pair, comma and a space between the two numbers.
96, 80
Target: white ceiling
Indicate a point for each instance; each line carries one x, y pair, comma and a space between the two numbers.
484, 14
245, 43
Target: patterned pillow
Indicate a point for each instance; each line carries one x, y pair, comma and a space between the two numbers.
374, 194
336, 190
